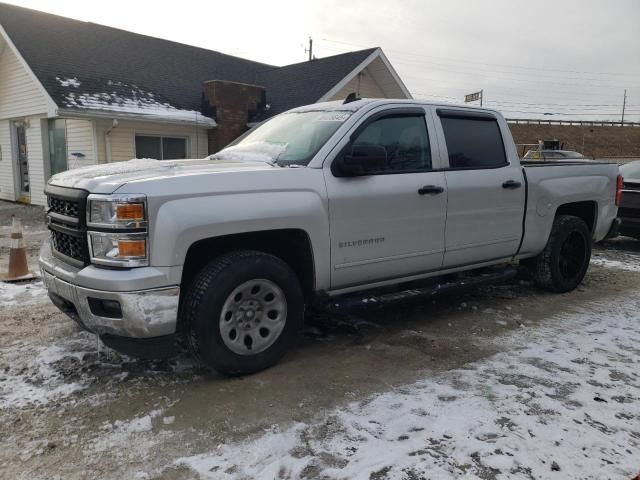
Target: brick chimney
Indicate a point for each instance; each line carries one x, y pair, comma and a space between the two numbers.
232, 104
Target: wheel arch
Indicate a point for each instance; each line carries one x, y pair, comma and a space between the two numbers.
585, 210
291, 245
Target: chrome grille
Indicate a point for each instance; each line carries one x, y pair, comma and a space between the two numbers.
70, 245
67, 223
64, 207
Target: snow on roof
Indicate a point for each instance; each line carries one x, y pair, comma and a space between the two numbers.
127, 99
68, 82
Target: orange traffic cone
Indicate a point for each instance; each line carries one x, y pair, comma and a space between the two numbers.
18, 266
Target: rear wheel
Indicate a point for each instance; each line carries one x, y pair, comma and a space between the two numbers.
564, 262
243, 312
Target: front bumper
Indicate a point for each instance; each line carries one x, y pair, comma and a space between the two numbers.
143, 313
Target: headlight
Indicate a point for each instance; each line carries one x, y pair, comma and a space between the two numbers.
118, 230
117, 212
118, 249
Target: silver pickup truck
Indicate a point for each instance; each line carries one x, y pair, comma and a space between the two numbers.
315, 203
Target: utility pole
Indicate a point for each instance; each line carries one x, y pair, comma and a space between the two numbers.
624, 104
310, 49
481, 95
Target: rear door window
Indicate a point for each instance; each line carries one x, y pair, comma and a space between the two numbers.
473, 142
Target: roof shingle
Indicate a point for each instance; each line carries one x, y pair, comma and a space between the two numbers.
72, 58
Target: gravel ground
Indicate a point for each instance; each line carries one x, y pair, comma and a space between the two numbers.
502, 382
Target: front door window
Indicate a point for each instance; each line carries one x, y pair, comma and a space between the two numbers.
57, 145
23, 163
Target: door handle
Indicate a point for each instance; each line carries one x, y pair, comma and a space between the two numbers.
511, 184
430, 190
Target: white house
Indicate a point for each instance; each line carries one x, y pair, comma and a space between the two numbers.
74, 93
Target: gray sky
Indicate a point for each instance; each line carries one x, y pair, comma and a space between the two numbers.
571, 58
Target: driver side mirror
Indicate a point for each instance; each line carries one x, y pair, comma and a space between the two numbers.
360, 160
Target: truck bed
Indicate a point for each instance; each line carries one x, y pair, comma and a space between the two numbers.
555, 163
590, 183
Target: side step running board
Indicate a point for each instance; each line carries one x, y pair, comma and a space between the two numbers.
358, 301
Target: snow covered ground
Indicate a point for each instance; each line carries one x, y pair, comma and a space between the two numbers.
564, 404
498, 383
22, 293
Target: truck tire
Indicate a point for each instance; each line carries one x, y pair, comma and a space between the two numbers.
242, 312
564, 261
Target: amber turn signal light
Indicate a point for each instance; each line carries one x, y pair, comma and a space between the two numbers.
130, 211
132, 248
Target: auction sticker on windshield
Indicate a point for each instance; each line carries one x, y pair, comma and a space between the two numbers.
334, 116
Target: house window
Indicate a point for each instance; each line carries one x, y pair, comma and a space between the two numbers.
161, 148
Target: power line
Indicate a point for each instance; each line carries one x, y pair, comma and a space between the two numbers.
570, 86
475, 72
486, 74
487, 63
544, 109
518, 92
598, 109
561, 113
533, 104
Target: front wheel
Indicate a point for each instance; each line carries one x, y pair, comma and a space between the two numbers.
564, 262
243, 312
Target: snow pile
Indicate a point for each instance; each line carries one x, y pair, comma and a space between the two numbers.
12, 294
137, 434
565, 401
137, 424
43, 379
250, 152
627, 265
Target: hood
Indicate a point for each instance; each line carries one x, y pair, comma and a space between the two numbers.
107, 178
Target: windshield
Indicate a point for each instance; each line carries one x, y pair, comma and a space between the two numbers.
630, 170
289, 139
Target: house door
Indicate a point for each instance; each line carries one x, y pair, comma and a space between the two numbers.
22, 162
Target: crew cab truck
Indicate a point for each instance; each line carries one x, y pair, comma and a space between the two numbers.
317, 202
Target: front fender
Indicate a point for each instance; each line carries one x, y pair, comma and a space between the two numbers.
179, 223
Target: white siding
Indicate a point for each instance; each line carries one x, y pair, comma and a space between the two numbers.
22, 98
6, 162
385, 79
363, 84
36, 164
123, 138
377, 81
34, 155
80, 140
19, 93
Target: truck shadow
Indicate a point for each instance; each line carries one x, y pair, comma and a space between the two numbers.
621, 244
